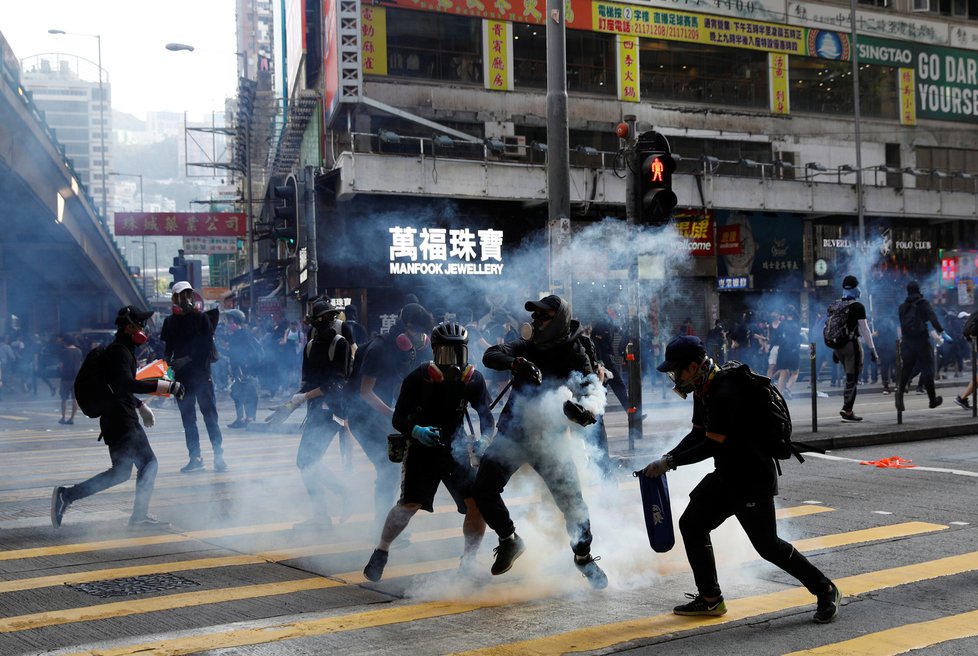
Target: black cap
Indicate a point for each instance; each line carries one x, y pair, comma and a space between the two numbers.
682, 351
551, 302
415, 315
850, 282
134, 314
913, 287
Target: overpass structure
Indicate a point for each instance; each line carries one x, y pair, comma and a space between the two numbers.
60, 267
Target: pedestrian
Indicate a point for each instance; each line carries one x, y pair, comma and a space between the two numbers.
788, 361
189, 336
742, 485
119, 424
886, 335
542, 362
379, 367
430, 408
850, 352
716, 342
244, 361
915, 346
325, 368
71, 359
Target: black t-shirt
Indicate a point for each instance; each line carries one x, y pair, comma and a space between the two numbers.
422, 402
119, 369
321, 370
856, 312
744, 471
189, 335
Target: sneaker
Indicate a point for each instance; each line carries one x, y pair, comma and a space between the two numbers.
238, 423
700, 606
506, 554
828, 605
147, 523
62, 421
58, 506
936, 401
375, 566
887, 390
219, 464
594, 574
849, 417
964, 403
195, 464
70, 422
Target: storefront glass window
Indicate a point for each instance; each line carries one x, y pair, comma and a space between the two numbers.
824, 86
698, 73
590, 59
434, 46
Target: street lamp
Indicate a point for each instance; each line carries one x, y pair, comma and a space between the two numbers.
101, 114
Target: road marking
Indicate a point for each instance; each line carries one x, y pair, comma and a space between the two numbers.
14, 418
890, 532
940, 470
608, 635
800, 511
901, 639
586, 639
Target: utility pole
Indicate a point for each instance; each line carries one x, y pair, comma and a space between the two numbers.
633, 351
309, 216
558, 157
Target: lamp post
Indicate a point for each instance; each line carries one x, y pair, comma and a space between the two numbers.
101, 114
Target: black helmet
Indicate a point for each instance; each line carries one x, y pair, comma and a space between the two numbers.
449, 342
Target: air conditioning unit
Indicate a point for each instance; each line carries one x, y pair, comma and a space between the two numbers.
515, 146
923, 5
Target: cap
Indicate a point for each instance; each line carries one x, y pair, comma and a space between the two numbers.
850, 282
414, 314
181, 286
237, 316
551, 302
913, 287
681, 351
322, 306
134, 314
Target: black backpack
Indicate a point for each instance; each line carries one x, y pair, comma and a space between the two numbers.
913, 322
768, 407
836, 331
92, 392
970, 329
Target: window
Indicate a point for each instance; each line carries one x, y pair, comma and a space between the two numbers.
948, 161
590, 60
434, 46
707, 74
75, 107
825, 86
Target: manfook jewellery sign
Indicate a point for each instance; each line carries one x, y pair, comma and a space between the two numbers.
446, 251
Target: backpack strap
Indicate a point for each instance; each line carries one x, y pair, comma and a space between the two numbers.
332, 347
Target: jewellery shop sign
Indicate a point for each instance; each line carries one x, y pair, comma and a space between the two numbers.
445, 251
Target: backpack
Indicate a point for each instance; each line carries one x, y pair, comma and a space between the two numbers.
836, 331
770, 410
913, 322
970, 329
92, 392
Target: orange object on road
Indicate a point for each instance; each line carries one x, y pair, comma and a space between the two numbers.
893, 462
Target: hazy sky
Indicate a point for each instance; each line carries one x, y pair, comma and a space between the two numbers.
144, 75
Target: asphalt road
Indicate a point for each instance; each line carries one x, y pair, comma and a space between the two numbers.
232, 575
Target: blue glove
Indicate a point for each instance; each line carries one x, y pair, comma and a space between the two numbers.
427, 435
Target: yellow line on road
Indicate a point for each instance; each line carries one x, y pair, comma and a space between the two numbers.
901, 639
608, 635
801, 511
890, 532
14, 418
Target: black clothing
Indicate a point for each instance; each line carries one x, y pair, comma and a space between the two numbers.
919, 306
789, 353
547, 453
244, 361
743, 485
423, 402
915, 347
850, 355
119, 423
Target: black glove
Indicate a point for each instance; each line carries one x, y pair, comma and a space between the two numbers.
528, 371
177, 390
578, 413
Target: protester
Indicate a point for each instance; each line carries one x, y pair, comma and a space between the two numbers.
244, 362
119, 424
788, 359
743, 484
71, 359
429, 410
850, 353
915, 347
551, 357
189, 336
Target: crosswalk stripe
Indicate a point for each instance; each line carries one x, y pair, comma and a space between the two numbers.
901, 639
587, 639
608, 635
888, 532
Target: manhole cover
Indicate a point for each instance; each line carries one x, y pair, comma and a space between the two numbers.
133, 585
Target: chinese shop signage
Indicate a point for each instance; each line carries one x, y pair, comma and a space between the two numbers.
176, 224
444, 251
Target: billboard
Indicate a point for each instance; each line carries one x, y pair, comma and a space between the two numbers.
177, 224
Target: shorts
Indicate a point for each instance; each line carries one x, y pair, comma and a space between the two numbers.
67, 389
425, 467
772, 356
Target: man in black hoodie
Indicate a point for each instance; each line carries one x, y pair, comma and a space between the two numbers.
540, 363
119, 423
915, 348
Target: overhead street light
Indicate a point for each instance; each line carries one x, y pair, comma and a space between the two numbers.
101, 114
177, 47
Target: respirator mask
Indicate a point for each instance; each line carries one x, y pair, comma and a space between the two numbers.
139, 337
451, 360
686, 387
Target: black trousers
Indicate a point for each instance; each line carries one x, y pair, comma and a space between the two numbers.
200, 391
549, 456
916, 353
370, 430
710, 505
318, 432
132, 449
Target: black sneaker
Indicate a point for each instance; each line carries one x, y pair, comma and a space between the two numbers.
195, 464
219, 464
594, 574
700, 606
58, 506
375, 566
147, 523
936, 401
506, 554
828, 605
964, 403
849, 417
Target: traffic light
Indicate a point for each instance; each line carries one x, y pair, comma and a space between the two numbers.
655, 198
179, 269
287, 215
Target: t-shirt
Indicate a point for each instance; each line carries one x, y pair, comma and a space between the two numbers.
71, 359
857, 311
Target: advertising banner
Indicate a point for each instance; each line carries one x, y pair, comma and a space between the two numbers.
696, 231
627, 68
175, 224
373, 40
778, 71
497, 55
210, 245
770, 253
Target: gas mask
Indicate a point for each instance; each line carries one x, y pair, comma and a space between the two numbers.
686, 387
187, 301
451, 360
139, 337
549, 332
410, 342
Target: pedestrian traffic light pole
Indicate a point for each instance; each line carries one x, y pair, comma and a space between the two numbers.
633, 352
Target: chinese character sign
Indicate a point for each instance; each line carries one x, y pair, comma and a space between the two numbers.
210, 245
445, 251
497, 55
908, 108
373, 40
181, 224
628, 89
778, 72
696, 232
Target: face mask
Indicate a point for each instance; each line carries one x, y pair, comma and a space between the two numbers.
139, 337
686, 387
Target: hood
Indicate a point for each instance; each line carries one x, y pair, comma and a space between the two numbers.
556, 331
